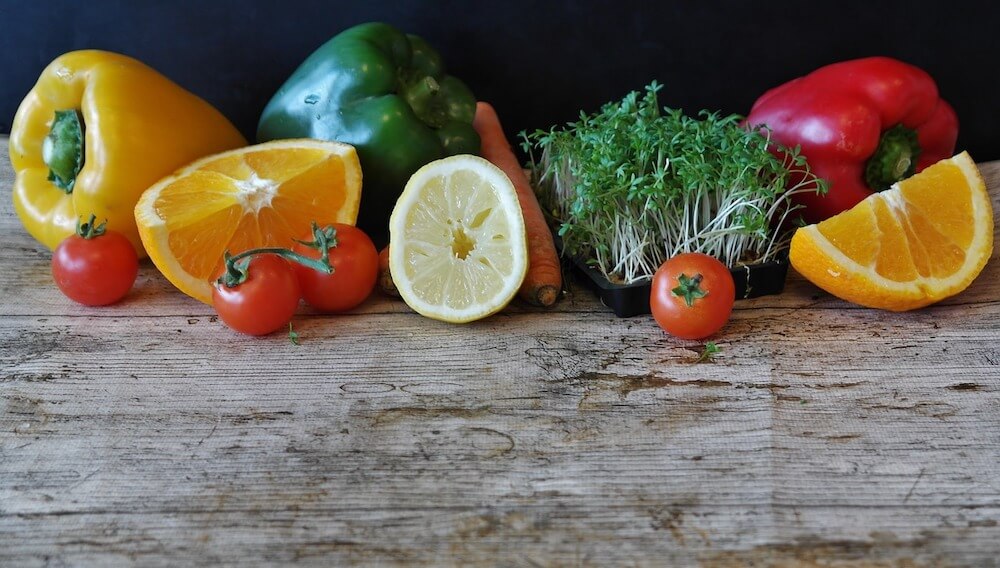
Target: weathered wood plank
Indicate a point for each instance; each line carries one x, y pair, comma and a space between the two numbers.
603, 420
822, 435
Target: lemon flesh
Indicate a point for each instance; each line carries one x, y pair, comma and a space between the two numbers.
458, 250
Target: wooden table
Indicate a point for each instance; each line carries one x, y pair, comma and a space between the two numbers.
824, 434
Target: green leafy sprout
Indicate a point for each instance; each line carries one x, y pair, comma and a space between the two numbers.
708, 352
633, 185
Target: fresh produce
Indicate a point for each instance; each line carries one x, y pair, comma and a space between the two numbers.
386, 93
95, 266
95, 131
355, 268
692, 295
264, 303
923, 240
251, 197
458, 250
258, 291
631, 186
863, 125
543, 283
385, 283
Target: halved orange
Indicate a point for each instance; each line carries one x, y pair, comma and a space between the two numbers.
924, 239
263, 195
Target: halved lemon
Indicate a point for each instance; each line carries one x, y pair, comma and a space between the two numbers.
457, 246
262, 195
924, 239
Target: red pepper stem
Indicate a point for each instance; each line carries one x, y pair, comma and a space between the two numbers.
894, 159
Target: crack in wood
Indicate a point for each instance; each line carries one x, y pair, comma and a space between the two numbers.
914, 486
423, 413
965, 387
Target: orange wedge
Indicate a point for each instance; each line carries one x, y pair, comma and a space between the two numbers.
924, 239
263, 195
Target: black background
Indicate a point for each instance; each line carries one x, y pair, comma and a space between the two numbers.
539, 63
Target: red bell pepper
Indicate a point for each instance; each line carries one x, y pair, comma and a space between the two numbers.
862, 125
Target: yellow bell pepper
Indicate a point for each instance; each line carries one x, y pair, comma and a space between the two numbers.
97, 130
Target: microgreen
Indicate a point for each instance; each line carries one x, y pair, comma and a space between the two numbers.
633, 185
708, 352
293, 335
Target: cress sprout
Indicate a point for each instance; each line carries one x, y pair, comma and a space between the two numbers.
633, 185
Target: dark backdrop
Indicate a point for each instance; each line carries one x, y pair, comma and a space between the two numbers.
538, 62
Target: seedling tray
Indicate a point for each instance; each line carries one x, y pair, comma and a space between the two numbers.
625, 301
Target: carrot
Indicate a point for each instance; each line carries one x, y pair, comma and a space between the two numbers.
543, 281
385, 283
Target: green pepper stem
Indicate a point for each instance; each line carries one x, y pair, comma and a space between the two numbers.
894, 159
324, 239
63, 148
421, 96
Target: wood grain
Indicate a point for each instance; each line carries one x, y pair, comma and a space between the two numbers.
824, 434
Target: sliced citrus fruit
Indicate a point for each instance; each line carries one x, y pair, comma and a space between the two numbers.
263, 195
924, 239
457, 246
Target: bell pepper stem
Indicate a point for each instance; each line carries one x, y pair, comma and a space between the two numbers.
62, 149
894, 159
421, 96
324, 239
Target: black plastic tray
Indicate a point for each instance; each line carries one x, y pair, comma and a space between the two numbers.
630, 300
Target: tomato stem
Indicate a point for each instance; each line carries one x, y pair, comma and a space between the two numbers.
89, 229
324, 238
689, 288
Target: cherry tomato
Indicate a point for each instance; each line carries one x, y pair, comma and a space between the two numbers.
265, 302
95, 271
692, 295
355, 269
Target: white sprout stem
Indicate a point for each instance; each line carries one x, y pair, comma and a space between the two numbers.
644, 233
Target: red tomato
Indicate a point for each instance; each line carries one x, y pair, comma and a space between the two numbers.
97, 271
262, 304
692, 295
355, 269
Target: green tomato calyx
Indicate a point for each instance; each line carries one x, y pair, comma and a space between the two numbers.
689, 288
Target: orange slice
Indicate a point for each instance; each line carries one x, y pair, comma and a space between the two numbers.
924, 239
263, 195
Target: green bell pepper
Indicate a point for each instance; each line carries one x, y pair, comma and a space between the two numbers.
386, 93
